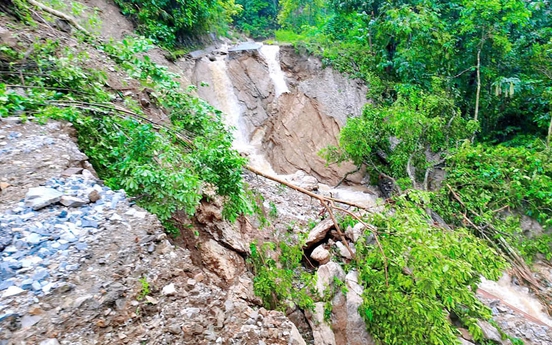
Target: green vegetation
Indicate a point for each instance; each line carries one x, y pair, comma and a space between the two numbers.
144, 288
430, 273
279, 282
457, 85
258, 18
173, 23
165, 166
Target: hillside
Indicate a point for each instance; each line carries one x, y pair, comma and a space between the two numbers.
250, 193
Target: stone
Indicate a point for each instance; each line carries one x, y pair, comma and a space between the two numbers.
327, 274
221, 261
33, 238
209, 214
301, 179
489, 331
169, 290
320, 254
41, 274
319, 232
71, 171
295, 337
71, 201
355, 232
28, 321
94, 196
4, 185
87, 175
12, 291
51, 341
343, 251
40, 197
356, 326
321, 330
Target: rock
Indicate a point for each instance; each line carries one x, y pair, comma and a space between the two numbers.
87, 175
321, 331
295, 337
343, 251
223, 262
4, 186
489, 331
12, 291
71, 171
465, 342
321, 255
209, 214
51, 341
355, 232
169, 290
301, 179
5, 238
326, 276
318, 233
40, 197
71, 201
94, 196
28, 321
356, 326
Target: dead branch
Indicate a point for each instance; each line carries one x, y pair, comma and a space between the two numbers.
374, 232
309, 193
347, 175
325, 201
59, 14
519, 267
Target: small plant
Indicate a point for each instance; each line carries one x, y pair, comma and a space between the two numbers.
273, 211
145, 288
279, 282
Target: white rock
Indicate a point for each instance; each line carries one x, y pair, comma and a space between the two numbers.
88, 175
12, 291
356, 232
326, 274
169, 290
40, 197
115, 218
321, 255
30, 261
321, 330
343, 251
490, 332
51, 341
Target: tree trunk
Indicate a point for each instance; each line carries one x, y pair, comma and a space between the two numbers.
549, 137
478, 92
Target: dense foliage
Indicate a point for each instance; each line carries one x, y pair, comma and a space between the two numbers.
432, 273
258, 18
172, 23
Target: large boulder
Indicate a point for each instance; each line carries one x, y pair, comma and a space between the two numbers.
318, 233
